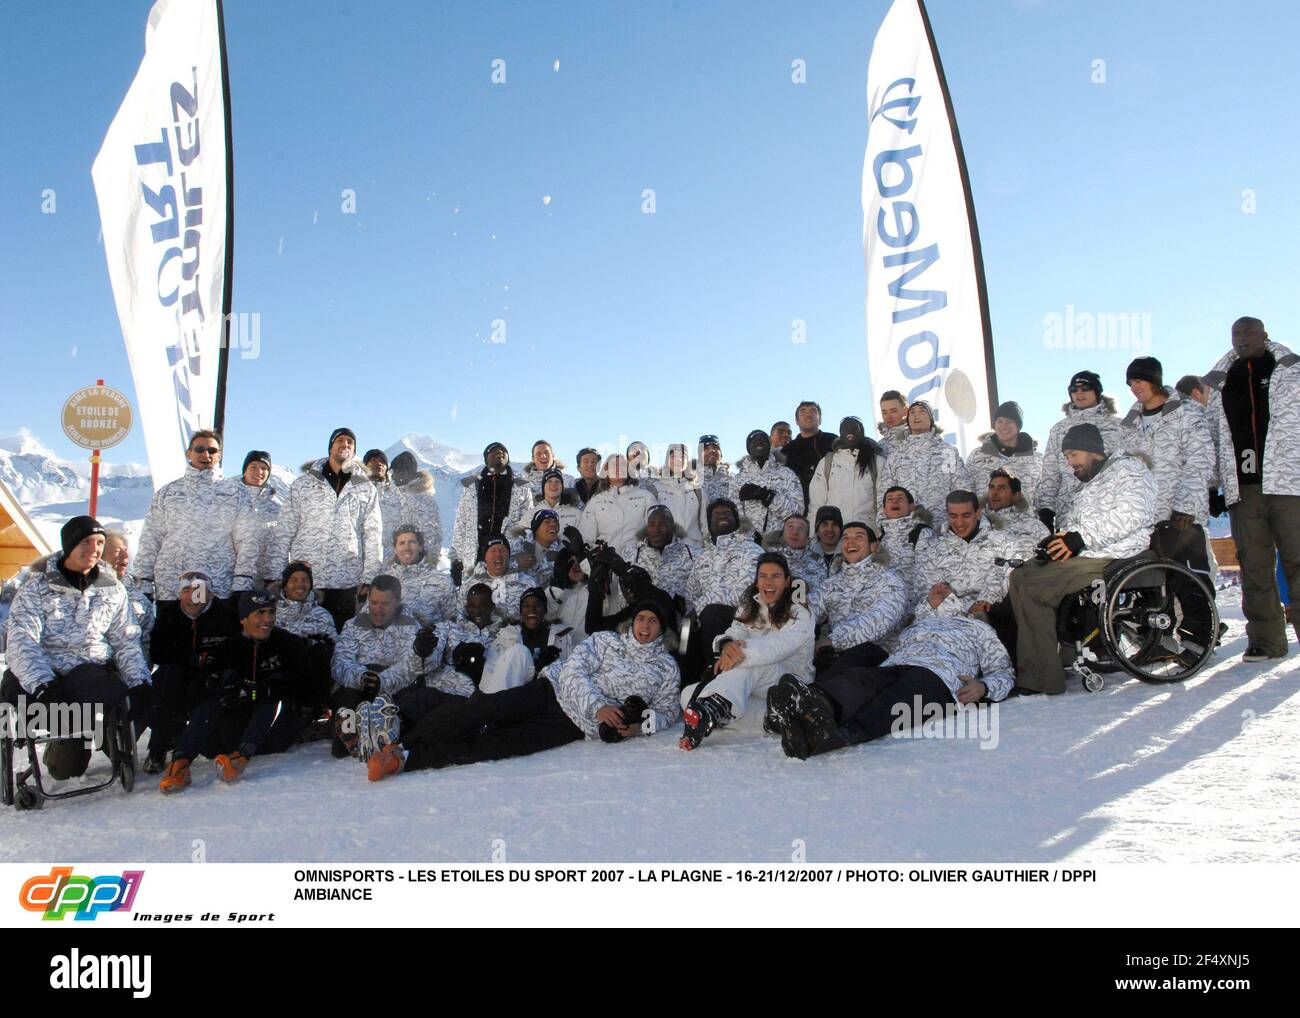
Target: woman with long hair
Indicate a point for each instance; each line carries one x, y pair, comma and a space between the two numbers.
771, 636
846, 476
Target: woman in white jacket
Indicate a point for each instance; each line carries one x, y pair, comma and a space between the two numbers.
617, 510
677, 488
846, 476
771, 636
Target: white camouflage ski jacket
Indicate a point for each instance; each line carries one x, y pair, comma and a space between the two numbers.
266, 504
507, 589
1281, 466
417, 508
897, 552
533, 476
952, 644
1025, 463
836, 482
926, 466
441, 674
775, 475
863, 602
305, 618
969, 567
53, 627
1115, 512
790, 646
362, 646
724, 569
669, 569
339, 536
606, 668
715, 483
464, 530
426, 593
1178, 442
1019, 524
1057, 484
199, 521
616, 514
889, 439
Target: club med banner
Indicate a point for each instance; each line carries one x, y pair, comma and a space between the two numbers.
927, 322
162, 179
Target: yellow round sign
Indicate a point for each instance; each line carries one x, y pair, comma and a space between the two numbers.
96, 417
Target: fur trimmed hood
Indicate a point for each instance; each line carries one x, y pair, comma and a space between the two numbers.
421, 484
1026, 444
745, 526
1019, 504
775, 454
679, 532
1107, 404
516, 480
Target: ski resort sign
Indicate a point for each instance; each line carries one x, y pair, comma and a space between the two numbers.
96, 417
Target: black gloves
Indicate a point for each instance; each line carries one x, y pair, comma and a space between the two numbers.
636, 581
574, 539
1181, 521
633, 710
425, 642
751, 492
1218, 504
468, 659
1073, 541
457, 572
370, 685
1049, 519
560, 571
823, 656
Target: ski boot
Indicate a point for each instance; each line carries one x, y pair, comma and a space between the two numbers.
783, 702
230, 766
177, 776
701, 717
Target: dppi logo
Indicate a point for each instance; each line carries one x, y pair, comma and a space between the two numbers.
60, 893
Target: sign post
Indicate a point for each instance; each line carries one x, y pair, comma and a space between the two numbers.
96, 418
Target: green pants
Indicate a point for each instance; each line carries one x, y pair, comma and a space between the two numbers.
1262, 526
1037, 589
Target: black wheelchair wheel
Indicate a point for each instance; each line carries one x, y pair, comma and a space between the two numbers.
6, 769
1160, 622
28, 798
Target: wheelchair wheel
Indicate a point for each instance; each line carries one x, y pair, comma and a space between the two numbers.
28, 798
122, 736
1160, 622
6, 769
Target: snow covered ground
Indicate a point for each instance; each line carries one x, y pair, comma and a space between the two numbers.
1136, 773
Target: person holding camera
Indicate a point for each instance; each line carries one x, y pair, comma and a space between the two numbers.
1111, 516
611, 687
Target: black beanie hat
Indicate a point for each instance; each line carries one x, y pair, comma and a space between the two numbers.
1089, 378
708, 511
374, 454
656, 605
1146, 369
550, 472
77, 530
829, 512
254, 601
1083, 438
298, 567
493, 445
1012, 412
256, 456
341, 431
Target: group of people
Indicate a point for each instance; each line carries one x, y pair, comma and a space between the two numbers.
822, 578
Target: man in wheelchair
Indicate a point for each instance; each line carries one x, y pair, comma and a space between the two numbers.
1111, 518
72, 640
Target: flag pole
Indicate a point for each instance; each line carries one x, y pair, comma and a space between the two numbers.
94, 473
223, 355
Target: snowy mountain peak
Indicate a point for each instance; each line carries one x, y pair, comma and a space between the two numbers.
433, 455
25, 444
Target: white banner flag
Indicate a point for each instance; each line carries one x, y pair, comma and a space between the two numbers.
162, 179
927, 313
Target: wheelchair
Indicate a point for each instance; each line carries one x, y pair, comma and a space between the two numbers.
25, 788
1151, 616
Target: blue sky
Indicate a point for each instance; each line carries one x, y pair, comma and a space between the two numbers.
1125, 196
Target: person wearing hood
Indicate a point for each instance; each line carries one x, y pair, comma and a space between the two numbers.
765, 488
922, 462
416, 505
199, 519
521, 652
610, 687
266, 503
1009, 448
770, 637
860, 605
792, 542
893, 426
541, 462
491, 502
1111, 517
906, 532
1256, 423
333, 520
71, 642
828, 527
427, 593
944, 658
846, 476
186, 635
507, 585
677, 487
617, 510
256, 681
803, 453
713, 475
1088, 404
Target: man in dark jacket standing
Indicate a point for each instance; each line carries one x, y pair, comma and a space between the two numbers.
804, 453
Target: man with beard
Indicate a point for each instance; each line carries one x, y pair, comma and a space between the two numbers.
491, 502
333, 520
1111, 516
765, 489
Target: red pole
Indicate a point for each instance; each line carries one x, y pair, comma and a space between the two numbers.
94, 473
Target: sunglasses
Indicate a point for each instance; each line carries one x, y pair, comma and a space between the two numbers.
1080, 387
211, 450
